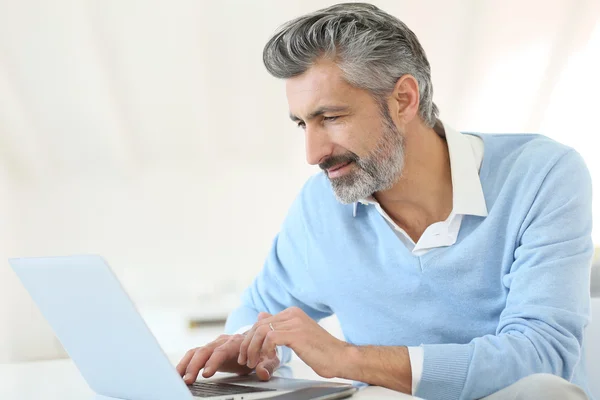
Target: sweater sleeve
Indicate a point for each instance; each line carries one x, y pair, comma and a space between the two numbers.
548, 302
283, 281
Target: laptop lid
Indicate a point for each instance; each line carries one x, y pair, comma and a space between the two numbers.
99, 327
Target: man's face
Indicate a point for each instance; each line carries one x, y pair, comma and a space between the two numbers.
348, 134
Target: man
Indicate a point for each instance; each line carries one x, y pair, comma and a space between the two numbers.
457, 264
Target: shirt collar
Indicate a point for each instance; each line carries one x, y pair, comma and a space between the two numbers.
465, 161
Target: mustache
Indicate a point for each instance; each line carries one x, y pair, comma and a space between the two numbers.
337, 160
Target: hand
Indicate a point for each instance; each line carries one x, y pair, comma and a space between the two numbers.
293, 328
221, 355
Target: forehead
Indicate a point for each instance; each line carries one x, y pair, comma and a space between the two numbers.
322, 84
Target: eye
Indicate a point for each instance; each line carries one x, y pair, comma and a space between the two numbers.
330, 118
301, 125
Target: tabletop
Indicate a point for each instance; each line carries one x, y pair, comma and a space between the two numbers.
60, 379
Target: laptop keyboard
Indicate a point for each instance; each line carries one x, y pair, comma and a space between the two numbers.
212, 389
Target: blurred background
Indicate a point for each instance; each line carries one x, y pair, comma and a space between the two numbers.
149, 132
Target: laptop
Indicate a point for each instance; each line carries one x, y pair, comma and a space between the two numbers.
109, 342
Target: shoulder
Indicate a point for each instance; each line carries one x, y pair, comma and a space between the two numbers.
528, 148
532, 167
528, 155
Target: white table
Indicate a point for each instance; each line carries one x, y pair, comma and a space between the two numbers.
60, 380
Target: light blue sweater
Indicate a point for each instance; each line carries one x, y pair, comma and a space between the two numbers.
510, 298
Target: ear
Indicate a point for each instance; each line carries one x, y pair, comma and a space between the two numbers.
405, 98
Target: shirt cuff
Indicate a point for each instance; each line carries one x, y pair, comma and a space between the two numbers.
243, 329
416, 365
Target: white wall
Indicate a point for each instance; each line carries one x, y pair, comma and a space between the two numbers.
149, 131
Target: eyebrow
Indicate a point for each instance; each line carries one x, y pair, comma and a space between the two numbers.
320, 111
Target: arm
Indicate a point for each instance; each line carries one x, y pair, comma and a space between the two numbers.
329, 357
283, 281
547, 307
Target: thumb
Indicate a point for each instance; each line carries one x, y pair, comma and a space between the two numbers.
263, 315
265, 368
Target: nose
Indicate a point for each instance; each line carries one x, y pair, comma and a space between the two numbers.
318, 145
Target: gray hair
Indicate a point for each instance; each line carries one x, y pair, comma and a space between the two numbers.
372, 48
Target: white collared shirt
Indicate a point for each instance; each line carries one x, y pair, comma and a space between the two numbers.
466, 156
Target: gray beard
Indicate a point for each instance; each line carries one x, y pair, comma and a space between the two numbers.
378, 171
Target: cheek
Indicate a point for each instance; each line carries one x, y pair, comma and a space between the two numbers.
342, 136
359, 141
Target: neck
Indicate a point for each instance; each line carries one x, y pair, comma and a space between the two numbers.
423, 194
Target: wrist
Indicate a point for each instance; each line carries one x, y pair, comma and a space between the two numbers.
377, 365
349, 364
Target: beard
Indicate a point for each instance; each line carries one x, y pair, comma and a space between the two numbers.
379, 170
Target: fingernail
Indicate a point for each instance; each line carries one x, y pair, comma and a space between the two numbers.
268, 374
185, 377
208, 370
240, 361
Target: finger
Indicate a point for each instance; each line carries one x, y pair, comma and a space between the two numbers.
182, 366
253, 352
199, 357
270, 343
266, 368
263, 315
219, 356
242, 357
197, 363
264, 319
